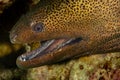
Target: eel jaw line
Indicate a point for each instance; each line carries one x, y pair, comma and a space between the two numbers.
47, 47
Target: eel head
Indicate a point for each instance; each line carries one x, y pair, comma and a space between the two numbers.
57, 43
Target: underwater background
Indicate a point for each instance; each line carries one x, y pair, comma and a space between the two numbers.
94, 67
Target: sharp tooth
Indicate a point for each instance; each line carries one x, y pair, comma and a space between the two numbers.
38, 51
69, 41
23, 58
65, 43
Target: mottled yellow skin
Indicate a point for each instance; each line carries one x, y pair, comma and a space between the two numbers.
97, 22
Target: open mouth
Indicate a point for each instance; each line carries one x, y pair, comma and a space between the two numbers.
47, 47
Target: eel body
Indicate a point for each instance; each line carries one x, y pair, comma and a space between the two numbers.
68, 29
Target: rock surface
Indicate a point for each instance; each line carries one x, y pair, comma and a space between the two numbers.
94, 67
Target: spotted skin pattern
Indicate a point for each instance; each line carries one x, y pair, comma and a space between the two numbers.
97, 22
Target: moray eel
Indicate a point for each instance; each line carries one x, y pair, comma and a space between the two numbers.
67, 29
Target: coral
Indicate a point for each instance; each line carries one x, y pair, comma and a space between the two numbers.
93, 67
4, 4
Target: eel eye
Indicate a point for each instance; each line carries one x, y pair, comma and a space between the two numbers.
38, 27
